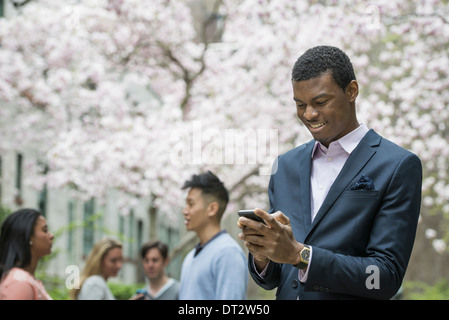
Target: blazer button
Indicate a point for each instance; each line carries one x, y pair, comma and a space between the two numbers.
295, 284
316, 288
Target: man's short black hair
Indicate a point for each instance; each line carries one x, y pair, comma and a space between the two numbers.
210, 186
319, 60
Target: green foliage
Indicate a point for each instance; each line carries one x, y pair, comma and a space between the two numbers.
4, 212
123, 291
265, 294
422, 291
55, 286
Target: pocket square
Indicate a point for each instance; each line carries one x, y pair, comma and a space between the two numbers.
365, 183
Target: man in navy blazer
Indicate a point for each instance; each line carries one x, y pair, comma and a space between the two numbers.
344, 207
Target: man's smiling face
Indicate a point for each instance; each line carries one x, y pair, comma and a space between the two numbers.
326, 110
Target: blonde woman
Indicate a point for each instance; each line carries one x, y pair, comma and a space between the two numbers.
104, 261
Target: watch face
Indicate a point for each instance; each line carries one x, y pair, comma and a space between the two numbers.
305, 255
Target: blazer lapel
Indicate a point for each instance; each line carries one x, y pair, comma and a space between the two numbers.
304, 168
297, 178
355, 163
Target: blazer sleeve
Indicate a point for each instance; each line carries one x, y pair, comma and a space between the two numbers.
272, 274
379, 274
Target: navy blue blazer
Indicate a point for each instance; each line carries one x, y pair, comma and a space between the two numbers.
361, 239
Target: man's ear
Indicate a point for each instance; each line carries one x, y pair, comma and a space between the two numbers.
212, 208
352, 90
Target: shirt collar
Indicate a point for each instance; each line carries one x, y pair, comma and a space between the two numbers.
200, 247
348, 142
161, 290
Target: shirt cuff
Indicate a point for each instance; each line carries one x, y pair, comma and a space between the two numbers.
263, 272
302, 275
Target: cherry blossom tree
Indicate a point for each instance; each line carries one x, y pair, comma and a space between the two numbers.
136, 95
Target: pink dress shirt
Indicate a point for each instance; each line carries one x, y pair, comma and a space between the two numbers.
328, 162
326, 165
21, 285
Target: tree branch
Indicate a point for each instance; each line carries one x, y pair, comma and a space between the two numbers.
18, 4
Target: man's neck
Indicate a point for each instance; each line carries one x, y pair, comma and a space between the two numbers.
157, 284
207, 233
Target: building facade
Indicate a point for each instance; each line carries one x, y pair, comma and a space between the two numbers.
78, 224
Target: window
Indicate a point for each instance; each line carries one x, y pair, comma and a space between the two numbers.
42, 198
121, 225
89, 226
70, 233
18, 183
130, 237
139, 234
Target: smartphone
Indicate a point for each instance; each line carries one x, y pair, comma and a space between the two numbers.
250, 215
145, 294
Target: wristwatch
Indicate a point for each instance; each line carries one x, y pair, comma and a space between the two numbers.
304, 257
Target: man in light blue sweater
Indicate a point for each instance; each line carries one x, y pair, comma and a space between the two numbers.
216, 268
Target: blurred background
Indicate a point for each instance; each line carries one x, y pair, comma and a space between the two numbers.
108, 106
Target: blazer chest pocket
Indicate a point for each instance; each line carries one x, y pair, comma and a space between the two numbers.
360, 194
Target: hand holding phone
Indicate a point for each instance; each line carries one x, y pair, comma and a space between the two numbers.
141, 294
250, 215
